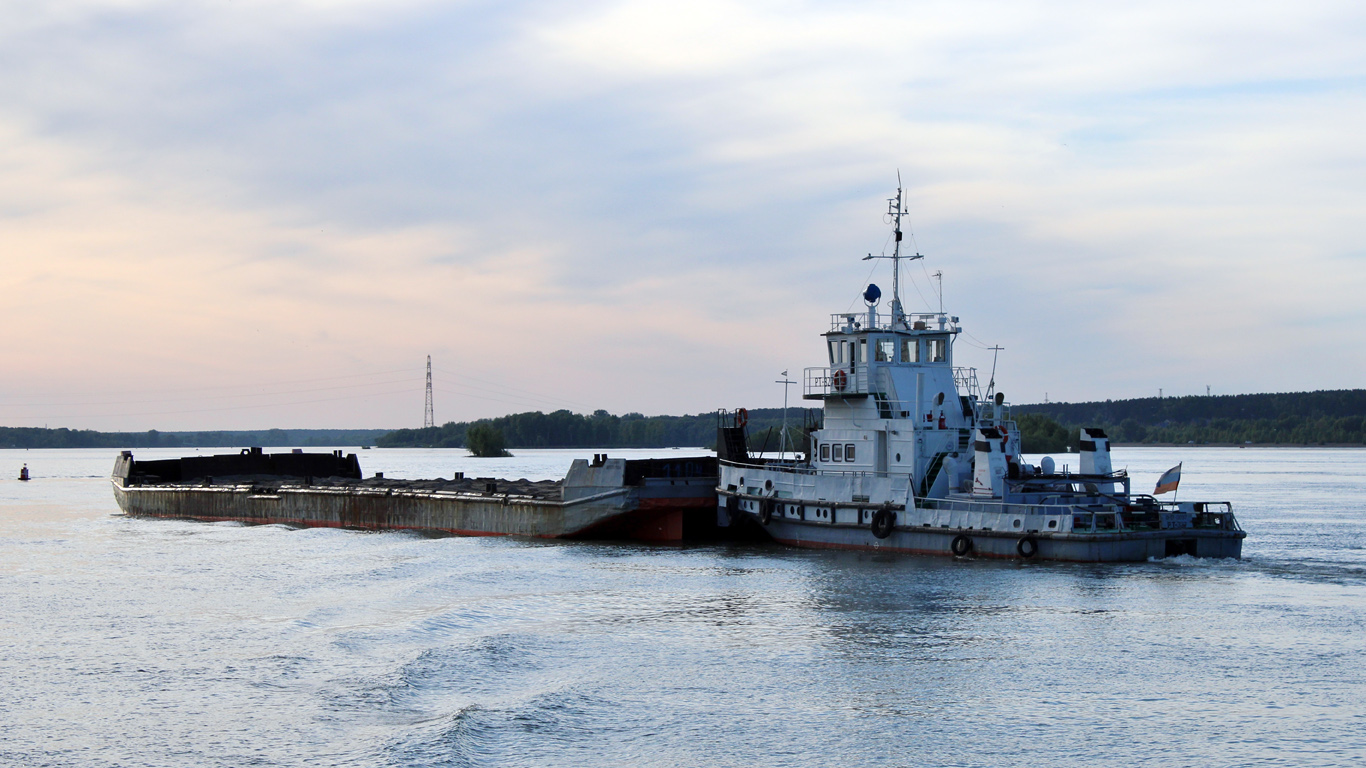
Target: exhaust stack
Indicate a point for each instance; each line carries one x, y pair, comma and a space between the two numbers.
1095, 452
989, 463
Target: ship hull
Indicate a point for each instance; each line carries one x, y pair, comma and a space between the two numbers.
1133, 546
386, 510
1013, 533
645, 500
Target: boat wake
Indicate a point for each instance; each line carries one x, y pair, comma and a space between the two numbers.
1190, 561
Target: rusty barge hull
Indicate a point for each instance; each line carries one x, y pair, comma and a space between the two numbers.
651, 500
376, 509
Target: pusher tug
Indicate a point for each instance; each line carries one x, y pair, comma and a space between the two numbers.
912, 458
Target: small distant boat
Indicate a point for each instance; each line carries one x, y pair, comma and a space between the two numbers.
365, 447
23, 473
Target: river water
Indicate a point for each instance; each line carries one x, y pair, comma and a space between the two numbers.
164, 643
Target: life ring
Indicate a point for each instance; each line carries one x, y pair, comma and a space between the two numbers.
766, 510
1027, 547
741, 417
839, 380
883, 520
961, 546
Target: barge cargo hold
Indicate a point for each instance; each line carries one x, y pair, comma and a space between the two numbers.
642, 499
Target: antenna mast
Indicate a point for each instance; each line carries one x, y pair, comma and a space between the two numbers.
991, 385
895, 210
428, 416
782, 445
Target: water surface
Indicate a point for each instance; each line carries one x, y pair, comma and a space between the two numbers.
153, 642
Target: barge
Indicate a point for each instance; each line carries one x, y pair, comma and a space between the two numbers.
661, 500
913, 457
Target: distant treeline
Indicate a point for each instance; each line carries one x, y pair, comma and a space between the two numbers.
1295, 418
1299, 418
564, 429
1291, 418
39, 437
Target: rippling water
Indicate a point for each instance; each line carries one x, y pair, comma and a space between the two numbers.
162, 643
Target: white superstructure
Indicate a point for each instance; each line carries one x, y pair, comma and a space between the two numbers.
913, 457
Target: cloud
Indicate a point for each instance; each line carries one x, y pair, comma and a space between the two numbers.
647, 206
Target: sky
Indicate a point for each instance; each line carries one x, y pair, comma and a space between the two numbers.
242, 215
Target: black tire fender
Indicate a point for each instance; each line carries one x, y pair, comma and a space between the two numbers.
766, 510
961, 546
883, 522
1027, 547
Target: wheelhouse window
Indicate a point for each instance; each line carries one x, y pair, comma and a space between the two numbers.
863, 350
839, 452
825, 451
834, 352
910, 351
886, 350
849, 452
938, 349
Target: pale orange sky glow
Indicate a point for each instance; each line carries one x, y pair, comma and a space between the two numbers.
251, 215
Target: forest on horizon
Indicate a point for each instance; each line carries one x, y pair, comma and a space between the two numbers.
41, 437
1325, 417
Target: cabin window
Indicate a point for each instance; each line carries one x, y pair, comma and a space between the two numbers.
849, 452
825, 451
844, 351
863, 350
834, 352
886, 350
910, 351
937, 350
839, 452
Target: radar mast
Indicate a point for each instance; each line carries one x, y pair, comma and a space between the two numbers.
896, 208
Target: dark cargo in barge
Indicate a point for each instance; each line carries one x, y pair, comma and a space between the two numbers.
645, 499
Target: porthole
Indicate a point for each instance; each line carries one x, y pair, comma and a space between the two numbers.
1052, 523
1016, 523
898, 457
